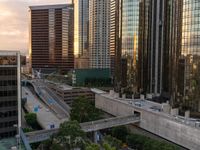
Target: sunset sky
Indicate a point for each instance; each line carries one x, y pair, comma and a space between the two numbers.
14, 22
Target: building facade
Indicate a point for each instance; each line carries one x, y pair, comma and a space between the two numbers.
99, 27
10, 93
52, 37
186, 54
81, 33
129, 40
154, 46
115, 42
69, 94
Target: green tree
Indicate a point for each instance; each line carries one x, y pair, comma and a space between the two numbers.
69, 136
137, 141
83, 110
27, 130
112, 141
93, 147
106, 146
120, 133
73, 135
31, 119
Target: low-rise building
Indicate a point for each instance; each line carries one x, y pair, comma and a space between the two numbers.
69, 94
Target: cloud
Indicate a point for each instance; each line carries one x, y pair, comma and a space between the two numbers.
14, 22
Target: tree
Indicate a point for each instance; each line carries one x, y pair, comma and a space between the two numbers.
93, 147
112, 141
69, 137
73, 135
27, 130
137, 141
83, 110
120, 133
106, 146
31, 119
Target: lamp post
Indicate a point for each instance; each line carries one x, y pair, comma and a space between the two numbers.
19, 95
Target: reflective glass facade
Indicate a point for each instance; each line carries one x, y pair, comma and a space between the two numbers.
130, 32
81, 15
188, 80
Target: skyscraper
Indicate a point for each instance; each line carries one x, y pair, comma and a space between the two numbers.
187, 62
159, 45
115, 41
10, 93
129, 43
154, 47
81, 33
52, 37
99, 27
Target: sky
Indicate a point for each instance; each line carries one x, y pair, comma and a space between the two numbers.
14, 22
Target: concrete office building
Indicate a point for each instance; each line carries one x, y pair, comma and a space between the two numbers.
10, 93
52, 37
68, 94
99, 27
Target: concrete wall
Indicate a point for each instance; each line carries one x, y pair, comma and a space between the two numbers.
153, 122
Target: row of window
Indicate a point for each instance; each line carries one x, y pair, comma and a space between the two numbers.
8, 114
7, 124
8, 83
8, 72
8, 93
8, 134
8, 103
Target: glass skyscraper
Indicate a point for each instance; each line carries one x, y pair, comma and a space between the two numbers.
81, 33
129, 43
81, 24
188, 59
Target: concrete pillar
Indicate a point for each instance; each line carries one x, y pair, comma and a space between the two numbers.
116, 95
141, 96
124, 96
187, 114
133, 96
19, 98
112, 92
149, 96
166, 108
96, 137
174, 111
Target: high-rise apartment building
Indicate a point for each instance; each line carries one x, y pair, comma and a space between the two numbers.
10, 93
52, 37
99, 27
81, 33
129, 41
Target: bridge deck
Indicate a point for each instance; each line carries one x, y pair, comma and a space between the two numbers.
42, 135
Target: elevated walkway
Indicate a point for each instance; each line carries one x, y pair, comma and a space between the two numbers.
43, 135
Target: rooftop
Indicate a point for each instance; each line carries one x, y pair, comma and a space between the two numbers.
7, 144
39, 7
